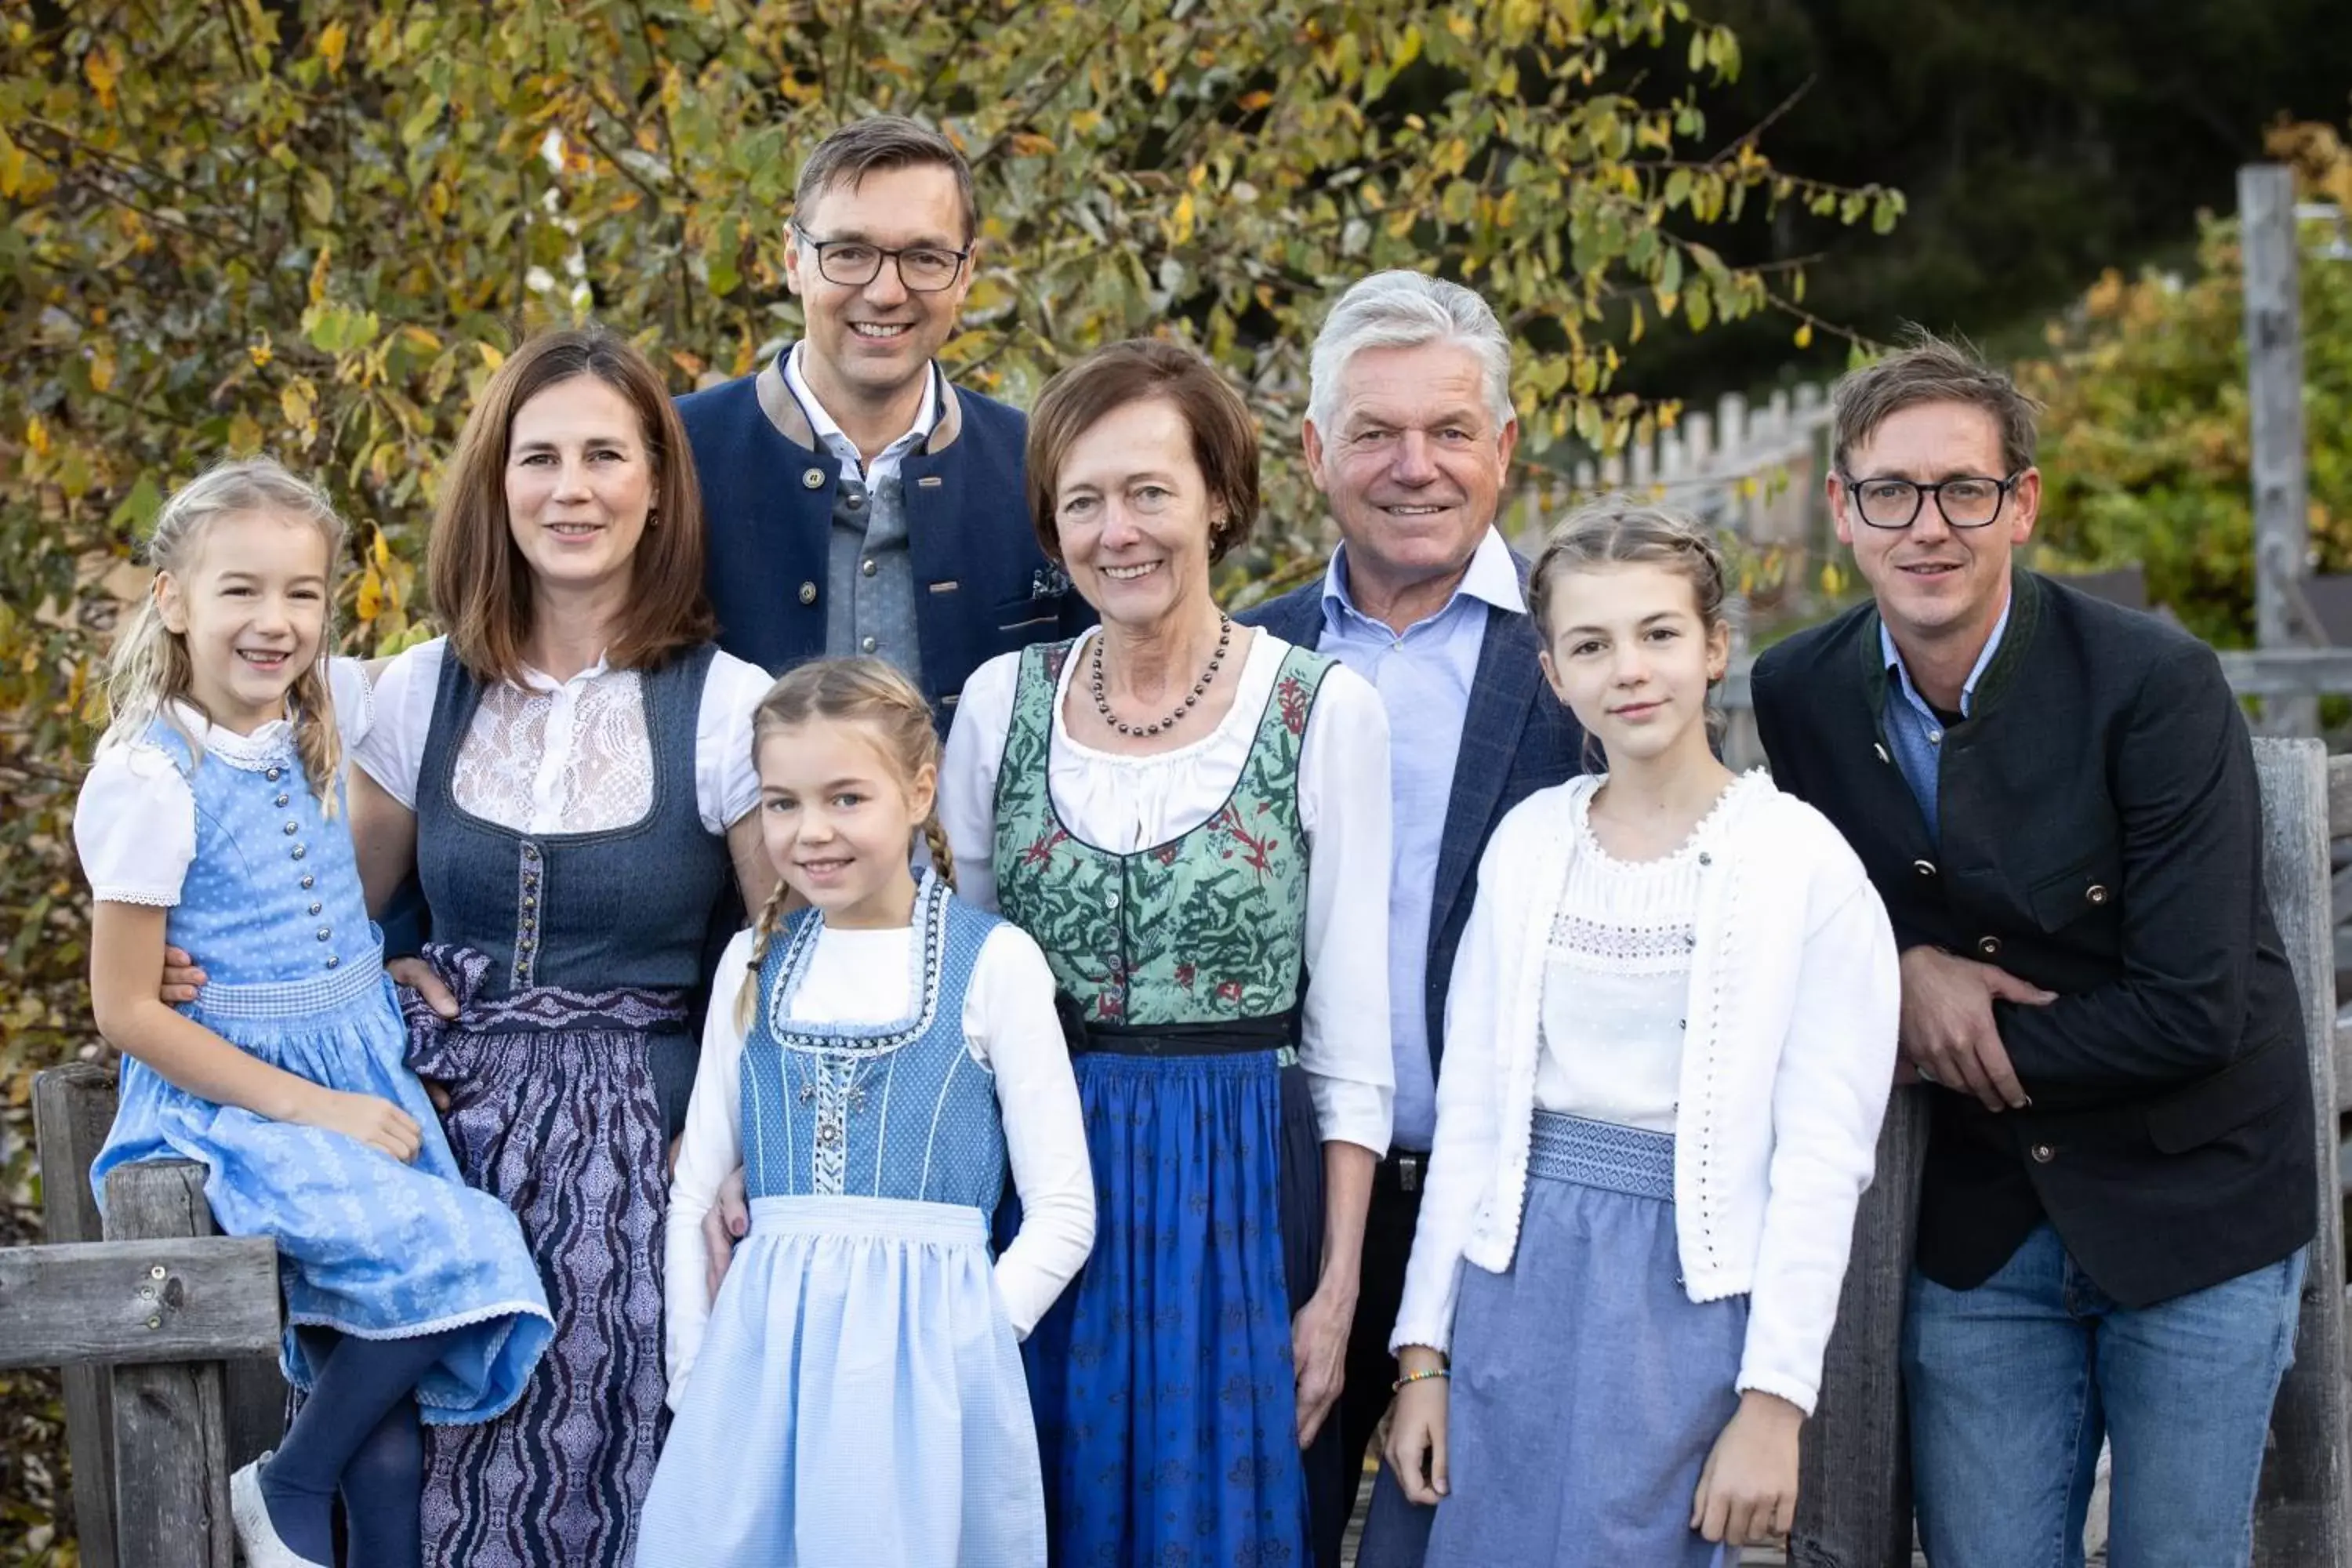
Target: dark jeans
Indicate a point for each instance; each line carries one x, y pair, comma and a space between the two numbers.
1387, 1244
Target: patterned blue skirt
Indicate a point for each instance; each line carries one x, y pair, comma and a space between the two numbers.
1166, 1404
857, 1399
366, 1246
1588, 1387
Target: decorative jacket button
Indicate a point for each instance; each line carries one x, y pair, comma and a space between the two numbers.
274, 775
808, 593
811, 479
307, 880
1990, 946
299, 850
332, 961
2043, 1154
291, 828
867, 644
1704, 859
867, 566
326, 932
283, 800
852, 502
2096, 893
318, 907
1880, 750
1924, 868
530, 851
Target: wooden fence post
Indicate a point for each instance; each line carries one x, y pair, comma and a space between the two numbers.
72, 1108
2303, 1512
2274, 333
170, 1426
1853, 1487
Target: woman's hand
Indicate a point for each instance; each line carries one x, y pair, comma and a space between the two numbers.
1318, 1355
376, 1123
419, 977
1415, 1450
181, 976
1747, 1489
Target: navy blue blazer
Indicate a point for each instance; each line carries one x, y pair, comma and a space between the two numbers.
1517, 739
983, 586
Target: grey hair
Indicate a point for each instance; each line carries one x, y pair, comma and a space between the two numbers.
1400, 309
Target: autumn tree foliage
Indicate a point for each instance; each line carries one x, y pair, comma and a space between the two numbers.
313, 228
2145, 451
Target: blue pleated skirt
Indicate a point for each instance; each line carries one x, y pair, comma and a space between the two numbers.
1166, 1402
366, 1245
1588, 1387
857, 1400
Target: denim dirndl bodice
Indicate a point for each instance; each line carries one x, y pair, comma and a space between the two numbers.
273, 894
624, 907
887, 1110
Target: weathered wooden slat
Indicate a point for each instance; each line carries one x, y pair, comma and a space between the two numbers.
1853, 1482
171, 1438
73, 1106
135, 1302
2303, 1512
2339, 797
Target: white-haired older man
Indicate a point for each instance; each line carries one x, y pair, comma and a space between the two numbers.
1409, 436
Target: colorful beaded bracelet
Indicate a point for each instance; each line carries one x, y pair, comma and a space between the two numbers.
1398, 1386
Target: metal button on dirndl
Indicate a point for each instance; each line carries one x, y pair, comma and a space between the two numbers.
1990, 946
2096, 893
299, 850
283, 800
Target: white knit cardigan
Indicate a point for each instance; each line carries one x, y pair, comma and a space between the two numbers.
1788, 1057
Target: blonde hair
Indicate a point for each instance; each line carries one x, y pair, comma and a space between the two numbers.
149, 668
1615, 531
866, 691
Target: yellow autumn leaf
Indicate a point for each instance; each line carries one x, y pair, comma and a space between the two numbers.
101, 368
1805, 334
1833, 579
333, 38
1179, 223
298, 403
37, 435
379, 549
370, 601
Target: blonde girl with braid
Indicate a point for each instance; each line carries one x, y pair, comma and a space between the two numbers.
853, 1392
212, 821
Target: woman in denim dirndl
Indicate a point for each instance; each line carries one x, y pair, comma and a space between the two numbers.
566, 773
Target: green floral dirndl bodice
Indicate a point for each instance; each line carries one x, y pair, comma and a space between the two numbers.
1208, 928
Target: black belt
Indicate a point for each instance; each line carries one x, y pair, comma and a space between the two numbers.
1228, 1038
1407, 1168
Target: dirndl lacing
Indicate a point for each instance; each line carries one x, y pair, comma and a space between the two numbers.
868, 1219
1603, 1155
361, 979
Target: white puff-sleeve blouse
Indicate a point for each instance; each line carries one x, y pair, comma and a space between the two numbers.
1127, 804
135, 820
565, 757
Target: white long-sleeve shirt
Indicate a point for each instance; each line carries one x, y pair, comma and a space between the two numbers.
1009, 1026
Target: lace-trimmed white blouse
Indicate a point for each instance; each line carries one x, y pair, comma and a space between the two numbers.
135, 822
1617, 976
1125, 804
569, 756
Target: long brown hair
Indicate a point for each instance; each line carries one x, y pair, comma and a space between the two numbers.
867, 691
149, 668
480, 584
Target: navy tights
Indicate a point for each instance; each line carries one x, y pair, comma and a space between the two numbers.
357, 1432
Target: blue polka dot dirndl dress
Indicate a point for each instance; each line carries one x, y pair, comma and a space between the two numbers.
270, 907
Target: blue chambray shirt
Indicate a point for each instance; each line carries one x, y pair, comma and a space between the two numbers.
1424, 677
1914, 730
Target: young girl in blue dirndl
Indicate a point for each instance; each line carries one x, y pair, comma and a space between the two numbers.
212, 821
854, 1394
1669, 1047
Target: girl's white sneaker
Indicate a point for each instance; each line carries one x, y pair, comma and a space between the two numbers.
257, 1538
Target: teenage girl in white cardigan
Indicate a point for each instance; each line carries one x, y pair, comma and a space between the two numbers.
1670, 1043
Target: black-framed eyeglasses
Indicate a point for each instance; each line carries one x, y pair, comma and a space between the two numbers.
853, 263
1967, 500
